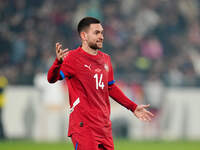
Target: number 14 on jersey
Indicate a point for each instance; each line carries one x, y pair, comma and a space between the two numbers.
99, 83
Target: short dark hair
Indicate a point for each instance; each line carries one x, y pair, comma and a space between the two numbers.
85, 22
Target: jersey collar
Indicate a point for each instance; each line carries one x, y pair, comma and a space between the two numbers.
90, 55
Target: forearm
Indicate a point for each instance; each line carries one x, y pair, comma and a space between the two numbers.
121, 98
54, 72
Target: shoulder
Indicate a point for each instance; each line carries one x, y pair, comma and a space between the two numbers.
107, 56
73, 52
71, 56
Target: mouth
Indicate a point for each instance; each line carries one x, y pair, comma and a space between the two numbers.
99, 41
99, 44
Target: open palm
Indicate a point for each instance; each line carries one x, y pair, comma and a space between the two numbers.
60, 54
143, 114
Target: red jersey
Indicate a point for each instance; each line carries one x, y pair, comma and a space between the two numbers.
88, 78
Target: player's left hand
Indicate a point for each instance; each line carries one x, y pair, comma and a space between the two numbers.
143, 114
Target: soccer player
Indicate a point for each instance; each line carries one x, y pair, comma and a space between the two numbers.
89, 76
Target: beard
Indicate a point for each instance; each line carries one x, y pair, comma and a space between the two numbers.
94, 46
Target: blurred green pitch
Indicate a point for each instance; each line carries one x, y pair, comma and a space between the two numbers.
119, 145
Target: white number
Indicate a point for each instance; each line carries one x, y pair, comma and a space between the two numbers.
96, 77
99, 82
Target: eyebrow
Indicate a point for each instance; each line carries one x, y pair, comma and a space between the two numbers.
98, 30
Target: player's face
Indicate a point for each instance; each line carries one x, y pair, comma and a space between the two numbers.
95, 36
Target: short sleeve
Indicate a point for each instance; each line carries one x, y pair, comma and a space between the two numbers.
110, 73
68, 66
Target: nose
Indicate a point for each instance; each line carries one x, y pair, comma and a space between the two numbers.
101, 37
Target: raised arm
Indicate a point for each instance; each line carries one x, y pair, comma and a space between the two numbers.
54, 73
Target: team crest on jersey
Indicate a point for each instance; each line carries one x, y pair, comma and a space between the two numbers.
106, 67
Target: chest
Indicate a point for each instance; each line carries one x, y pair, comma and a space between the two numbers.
93, 72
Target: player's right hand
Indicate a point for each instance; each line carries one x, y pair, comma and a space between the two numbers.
60, 54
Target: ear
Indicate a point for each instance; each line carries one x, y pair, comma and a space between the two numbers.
83, 35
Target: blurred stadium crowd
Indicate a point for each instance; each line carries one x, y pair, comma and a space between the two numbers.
148, 40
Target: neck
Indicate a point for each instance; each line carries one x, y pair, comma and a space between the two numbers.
89, 50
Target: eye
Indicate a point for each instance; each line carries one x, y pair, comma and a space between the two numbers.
97, 32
